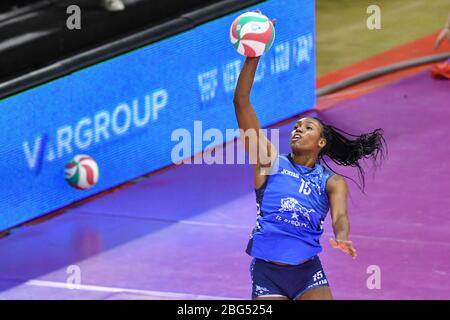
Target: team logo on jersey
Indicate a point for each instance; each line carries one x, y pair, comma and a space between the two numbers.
261, 290
292, 205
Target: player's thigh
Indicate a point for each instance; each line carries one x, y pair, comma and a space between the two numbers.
321, 293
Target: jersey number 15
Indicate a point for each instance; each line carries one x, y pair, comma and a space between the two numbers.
305, 188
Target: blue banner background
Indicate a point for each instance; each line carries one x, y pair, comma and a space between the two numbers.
123, 111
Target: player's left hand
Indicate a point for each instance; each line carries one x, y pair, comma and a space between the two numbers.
344, 245
444, 34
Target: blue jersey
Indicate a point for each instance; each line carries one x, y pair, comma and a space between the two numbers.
291, 209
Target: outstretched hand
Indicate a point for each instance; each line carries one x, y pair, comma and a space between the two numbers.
274, 22
344, 245
444, 34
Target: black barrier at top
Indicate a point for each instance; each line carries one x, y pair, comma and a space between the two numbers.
120, 46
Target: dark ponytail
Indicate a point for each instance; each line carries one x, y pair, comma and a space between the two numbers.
346, 151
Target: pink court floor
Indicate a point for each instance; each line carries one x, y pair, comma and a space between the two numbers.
181, 234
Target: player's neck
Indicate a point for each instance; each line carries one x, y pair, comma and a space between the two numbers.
304, 159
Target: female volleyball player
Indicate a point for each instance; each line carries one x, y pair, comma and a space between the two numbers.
294, 193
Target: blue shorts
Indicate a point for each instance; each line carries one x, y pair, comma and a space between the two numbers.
269, 279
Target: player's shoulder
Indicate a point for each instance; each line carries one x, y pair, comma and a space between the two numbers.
336, 182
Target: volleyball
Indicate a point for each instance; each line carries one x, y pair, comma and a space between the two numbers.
252, 34
81, 172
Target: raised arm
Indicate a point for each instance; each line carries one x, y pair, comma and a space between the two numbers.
261, 151
337, 190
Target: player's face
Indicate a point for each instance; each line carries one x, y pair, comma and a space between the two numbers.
307, 136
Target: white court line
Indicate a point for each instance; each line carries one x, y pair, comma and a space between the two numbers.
214, 224
84, 287
191, 222
408, 241
355, 236
236, 226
